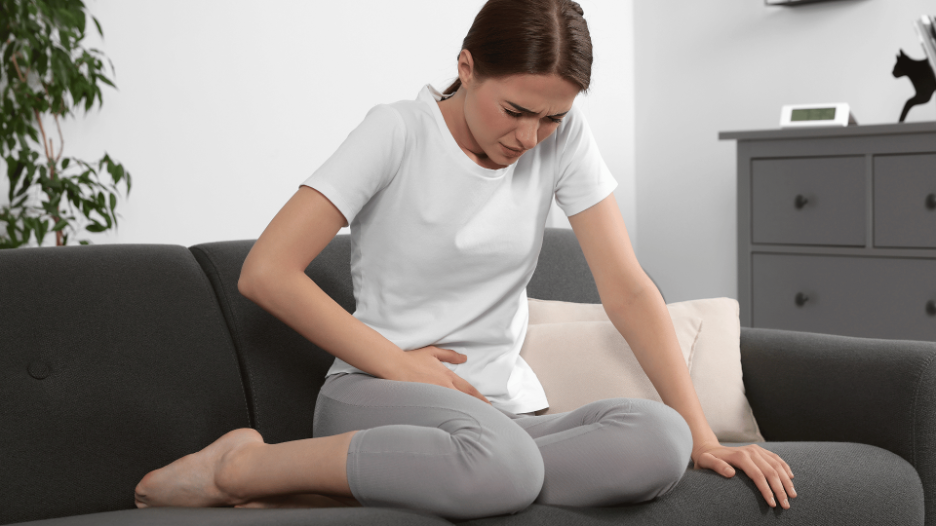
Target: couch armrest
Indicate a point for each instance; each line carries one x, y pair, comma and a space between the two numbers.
819, 387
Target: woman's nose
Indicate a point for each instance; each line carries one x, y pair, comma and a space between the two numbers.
526, 133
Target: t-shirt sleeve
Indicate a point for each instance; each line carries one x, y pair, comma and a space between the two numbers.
583, 179
364, 164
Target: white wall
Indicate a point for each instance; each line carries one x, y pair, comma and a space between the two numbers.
224, 107
719, 65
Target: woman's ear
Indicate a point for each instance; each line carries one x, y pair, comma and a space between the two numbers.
465, 67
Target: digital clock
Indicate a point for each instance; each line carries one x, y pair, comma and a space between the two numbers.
811, 115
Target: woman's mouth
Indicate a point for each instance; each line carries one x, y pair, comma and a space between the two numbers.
510, 152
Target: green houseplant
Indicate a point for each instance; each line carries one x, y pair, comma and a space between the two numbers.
45, 75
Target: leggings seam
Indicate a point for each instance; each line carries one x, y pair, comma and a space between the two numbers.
582, 430
404, 453
582, 420
469, 415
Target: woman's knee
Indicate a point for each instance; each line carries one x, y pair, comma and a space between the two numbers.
506, 475
522, 463
669, 435
648, 455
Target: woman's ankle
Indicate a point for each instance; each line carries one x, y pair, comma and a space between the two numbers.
232, 475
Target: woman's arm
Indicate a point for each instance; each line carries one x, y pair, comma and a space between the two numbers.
636, 308
273, 276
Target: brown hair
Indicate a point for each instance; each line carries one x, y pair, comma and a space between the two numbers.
538, 37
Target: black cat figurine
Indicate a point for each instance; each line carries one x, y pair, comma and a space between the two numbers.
922, 77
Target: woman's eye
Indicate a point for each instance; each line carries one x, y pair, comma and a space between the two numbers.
517, 116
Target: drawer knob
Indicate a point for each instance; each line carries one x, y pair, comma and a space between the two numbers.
801, 201
931, 307
931, 201
801, 299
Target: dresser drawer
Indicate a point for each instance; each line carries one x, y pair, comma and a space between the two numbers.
870, 297
905, 201
808, 201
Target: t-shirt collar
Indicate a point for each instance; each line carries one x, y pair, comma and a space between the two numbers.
431, 96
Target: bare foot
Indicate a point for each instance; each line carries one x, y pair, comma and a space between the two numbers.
191, 481
300, 500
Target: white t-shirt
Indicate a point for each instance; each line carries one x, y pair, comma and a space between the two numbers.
443, 248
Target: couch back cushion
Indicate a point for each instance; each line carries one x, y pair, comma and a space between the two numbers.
283, 371
114, 360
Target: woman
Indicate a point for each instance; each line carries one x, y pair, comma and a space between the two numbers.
428, 405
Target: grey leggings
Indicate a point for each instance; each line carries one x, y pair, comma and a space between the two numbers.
430, 448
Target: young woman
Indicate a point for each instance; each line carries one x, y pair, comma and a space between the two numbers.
428, 405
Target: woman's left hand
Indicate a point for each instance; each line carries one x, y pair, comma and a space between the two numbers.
769, 472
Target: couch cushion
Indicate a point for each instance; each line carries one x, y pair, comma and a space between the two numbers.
114, 360
351, 516
836, 483
562, 273
283, 371
579, 357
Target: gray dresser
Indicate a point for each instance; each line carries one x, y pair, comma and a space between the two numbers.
837, 230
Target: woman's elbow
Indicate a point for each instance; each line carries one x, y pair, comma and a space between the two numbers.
247, 283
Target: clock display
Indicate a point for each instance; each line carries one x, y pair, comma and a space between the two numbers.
813, 114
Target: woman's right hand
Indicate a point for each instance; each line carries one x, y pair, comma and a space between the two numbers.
424, 365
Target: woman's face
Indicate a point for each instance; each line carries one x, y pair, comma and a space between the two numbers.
508, 116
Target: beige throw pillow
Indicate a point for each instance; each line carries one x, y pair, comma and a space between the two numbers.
579, 357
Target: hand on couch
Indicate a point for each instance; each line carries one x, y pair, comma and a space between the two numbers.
770, 473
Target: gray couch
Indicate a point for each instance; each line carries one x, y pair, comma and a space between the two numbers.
118, 359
